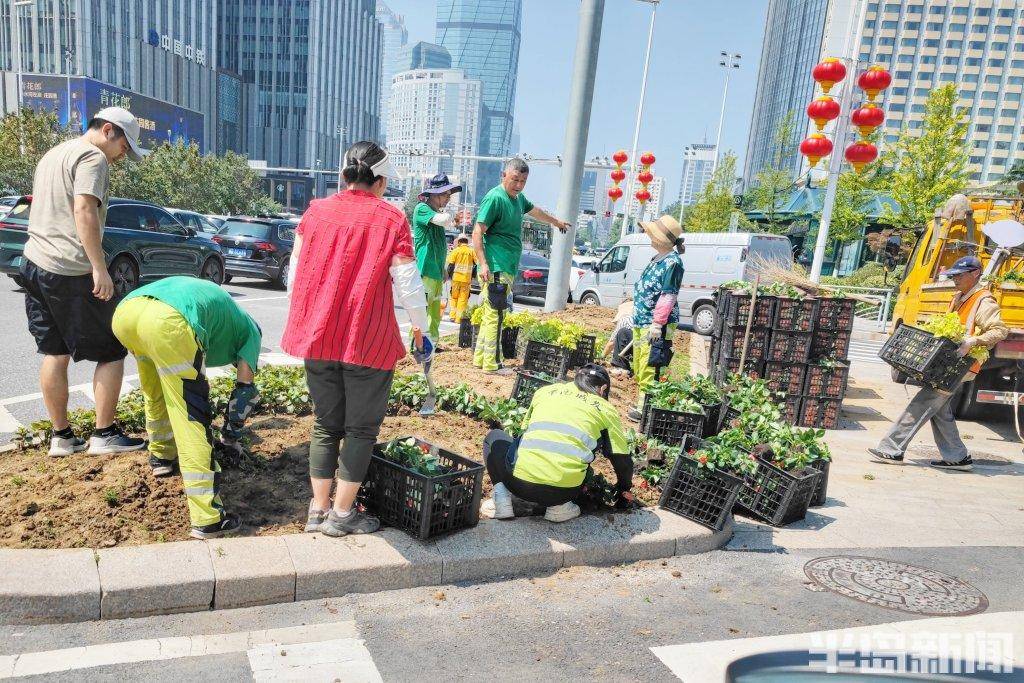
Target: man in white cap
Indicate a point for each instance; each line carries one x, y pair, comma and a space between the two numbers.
69, 296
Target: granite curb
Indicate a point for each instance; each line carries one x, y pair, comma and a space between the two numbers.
80, 584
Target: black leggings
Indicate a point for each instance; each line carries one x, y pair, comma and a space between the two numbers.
500, 457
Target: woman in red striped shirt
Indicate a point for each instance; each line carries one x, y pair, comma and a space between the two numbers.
350, 249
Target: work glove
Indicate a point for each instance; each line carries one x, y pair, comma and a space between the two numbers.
624, 500
655, 331
424, 354
240, 405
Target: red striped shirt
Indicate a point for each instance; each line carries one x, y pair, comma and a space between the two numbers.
341, 303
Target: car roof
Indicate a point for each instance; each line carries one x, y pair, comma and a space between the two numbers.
260, 219
121, 201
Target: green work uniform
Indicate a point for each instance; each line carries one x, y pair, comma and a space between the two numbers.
564, 426
431, 249
503, 240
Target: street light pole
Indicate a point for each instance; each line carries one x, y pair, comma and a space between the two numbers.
342, 130
639, 119
581, 101
729, 61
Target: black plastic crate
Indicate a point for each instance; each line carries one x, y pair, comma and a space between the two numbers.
789, 347
757, 343
790, 408
670, 427
526, 385
737, 310
820, 413
731, 366
776, 496
795, 315
705, 497
547, 358
712, 415
726, 416
584, 352
509, 336
821, 490
787, 378
923, 356
827, 381
466, 334
423, 506
834, 344
835, 314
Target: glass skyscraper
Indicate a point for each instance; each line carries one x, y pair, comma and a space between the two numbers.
422, 55
394, 37
698, 167
483, 37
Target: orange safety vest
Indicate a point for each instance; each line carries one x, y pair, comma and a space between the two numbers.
967, 309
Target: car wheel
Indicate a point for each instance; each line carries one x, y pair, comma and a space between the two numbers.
125, 275
704, 319
282, 277
590, 299
212, 271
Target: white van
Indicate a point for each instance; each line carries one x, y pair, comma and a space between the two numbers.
711, 258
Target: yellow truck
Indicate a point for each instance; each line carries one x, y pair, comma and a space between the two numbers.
921, 294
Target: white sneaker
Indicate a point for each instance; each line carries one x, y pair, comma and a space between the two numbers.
60, 447
501, 501
563, 512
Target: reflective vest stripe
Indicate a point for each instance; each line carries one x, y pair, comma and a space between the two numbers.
557, 447
588, 441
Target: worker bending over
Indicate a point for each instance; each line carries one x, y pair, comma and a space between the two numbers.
565, 425
176, 327
461, 270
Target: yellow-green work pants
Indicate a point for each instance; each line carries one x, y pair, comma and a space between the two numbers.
643, 372
177, 396
487, 341
433, 288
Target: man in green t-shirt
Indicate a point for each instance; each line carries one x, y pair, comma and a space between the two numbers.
176, 327
428, 226
498, 243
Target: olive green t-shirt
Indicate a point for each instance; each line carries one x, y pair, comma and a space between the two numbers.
428, 242
75, 167
503, 240
224, 331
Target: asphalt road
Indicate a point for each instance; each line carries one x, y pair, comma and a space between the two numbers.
579, 624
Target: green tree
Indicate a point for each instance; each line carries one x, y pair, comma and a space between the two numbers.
410, 206
25, 136
715, 205
927, 168
774, 183
1016, 172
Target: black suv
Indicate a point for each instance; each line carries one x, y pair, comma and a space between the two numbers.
257, 247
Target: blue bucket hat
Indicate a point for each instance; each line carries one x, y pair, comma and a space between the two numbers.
963, 265
439, 184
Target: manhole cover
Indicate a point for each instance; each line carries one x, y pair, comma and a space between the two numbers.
895, 585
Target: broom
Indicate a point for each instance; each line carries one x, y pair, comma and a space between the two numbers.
776, 272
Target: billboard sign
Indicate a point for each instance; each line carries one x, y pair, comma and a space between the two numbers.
159, 121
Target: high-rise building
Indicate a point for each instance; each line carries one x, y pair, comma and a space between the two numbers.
311, 76
588, 191
421, 55
924, 44
652, 208
483, 37
698, 166
394, 37
77, 57
434, 110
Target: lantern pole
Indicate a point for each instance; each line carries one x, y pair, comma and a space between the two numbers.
639, 118
841, 134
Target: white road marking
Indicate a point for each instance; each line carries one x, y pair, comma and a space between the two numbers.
339, 640
8, 423
345, 659
706, 662
261, 298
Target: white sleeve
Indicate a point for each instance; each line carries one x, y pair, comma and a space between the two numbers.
442, 219
409, 292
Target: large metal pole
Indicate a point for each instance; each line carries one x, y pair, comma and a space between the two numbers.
631, 173
721, 117
581, 100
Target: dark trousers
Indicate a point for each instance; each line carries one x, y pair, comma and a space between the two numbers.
623, 360
500, 456
349, 402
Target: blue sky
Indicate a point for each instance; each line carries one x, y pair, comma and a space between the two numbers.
684, 87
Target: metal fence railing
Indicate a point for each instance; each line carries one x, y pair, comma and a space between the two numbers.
874, 305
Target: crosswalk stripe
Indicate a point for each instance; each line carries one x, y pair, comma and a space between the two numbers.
345, 659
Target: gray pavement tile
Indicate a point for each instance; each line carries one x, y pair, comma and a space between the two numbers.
42, 586
156, 579
251, 571
496, 548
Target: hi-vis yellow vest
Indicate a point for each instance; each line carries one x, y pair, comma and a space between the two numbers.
464, 260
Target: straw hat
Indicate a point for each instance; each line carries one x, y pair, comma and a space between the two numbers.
663, 232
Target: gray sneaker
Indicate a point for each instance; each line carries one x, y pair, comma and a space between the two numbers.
117, 442
356, 523
315, 520
59, 446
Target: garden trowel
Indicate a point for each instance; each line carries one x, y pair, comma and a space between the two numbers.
430, 402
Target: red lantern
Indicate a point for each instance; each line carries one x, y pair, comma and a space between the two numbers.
873, 81
643, 196
823, 110
615, 193
860, 154
868, 118
618, 175
647, 159
829, 72
620, 157
815, 148
645, 177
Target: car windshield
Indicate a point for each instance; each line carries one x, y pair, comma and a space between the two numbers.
19, 214
260, 231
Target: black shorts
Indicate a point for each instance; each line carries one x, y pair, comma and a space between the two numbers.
66, 319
